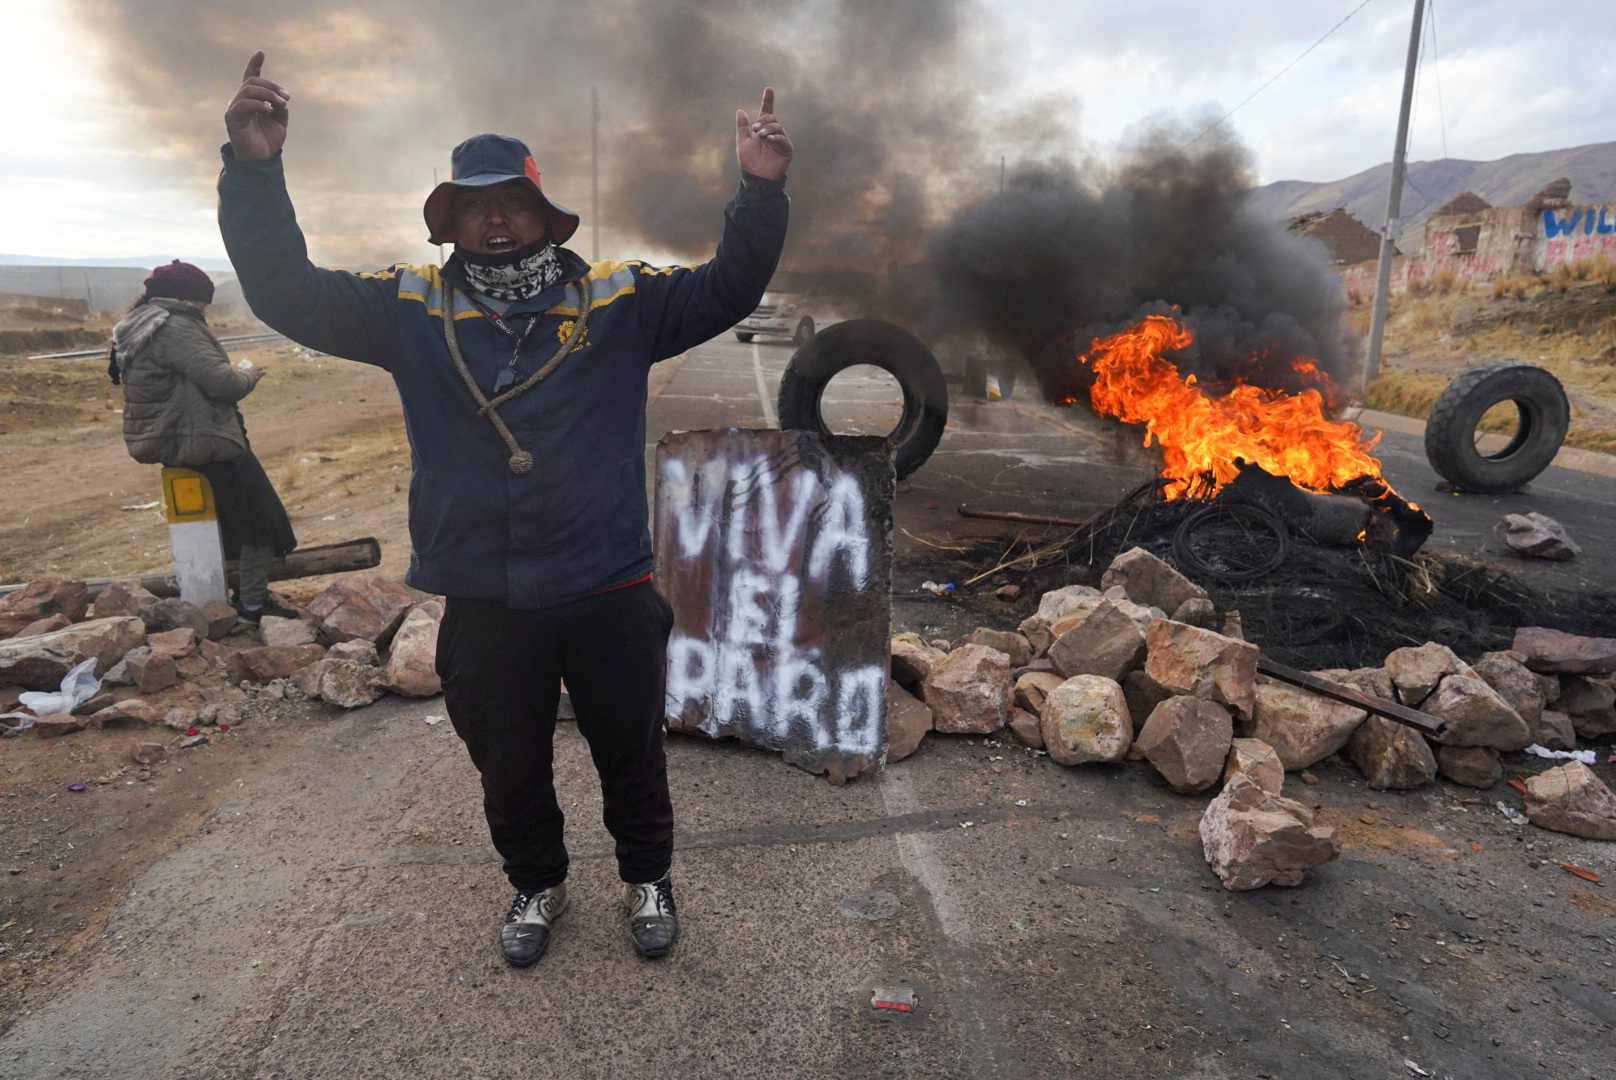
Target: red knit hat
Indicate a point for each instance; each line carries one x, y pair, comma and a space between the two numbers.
180, 281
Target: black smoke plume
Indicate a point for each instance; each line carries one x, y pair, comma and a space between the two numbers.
1067, 254
884, 101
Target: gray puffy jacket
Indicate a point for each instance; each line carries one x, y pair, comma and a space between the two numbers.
179, 390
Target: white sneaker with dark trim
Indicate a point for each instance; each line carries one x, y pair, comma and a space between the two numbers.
526, 932
651, 920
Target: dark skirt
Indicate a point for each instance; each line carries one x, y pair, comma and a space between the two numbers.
250, 513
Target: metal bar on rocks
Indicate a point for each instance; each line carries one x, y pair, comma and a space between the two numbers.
343, 558
1024, 519
1370, 703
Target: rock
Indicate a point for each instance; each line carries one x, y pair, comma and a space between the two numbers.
1252, 838
349, 683
358, 650
1232, 626
1556, 653
222, 619
1086, 719
151, 673
1549, 684
1475, 714
48, 727
966, 690
173, 644
1105, 642
173, 613
908, 719
1187, 739
124, 714
359, 606
278, 631
1150, 581
1302, 727
1008, 593
1142, 694
49, 623
215, 654
1517, 685
148, 753
1307, 777
39, 662
1591, 704
412, 662
1198, 612
122, 598
1571, 799
1051, 606
272, 662
1536, 536
1472, 766
1554, 731
101, 699
1370, 680
1026, 727
1032, 688
273, 691
1416, 672
40, 598
432, 609
1257, 762
118, 674
1189, 660
307, 681
192, 740
1392, 756
1008, 642
940, 644
912, 661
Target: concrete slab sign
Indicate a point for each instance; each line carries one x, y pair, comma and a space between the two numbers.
775, 550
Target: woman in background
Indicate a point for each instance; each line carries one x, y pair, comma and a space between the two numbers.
180, 395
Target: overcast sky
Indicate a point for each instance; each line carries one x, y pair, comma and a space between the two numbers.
80, 180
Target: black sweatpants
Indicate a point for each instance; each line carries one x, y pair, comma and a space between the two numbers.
502, 670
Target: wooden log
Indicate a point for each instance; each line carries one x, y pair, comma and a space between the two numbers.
343, 558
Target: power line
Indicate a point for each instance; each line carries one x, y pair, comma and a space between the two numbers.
1436, 69
1277, 74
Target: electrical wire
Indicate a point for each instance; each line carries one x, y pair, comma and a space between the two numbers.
1436, 69
1276, 76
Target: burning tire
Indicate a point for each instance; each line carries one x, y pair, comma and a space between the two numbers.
1452, 434
882, 345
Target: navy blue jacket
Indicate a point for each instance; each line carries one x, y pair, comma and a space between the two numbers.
577, 523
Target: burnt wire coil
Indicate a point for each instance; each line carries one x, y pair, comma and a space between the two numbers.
1231, 542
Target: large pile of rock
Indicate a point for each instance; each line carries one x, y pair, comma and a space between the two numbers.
144, 647
1145, 668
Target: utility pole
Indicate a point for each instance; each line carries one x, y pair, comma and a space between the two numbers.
1394, 204
1001, 174
434, 188
594, 171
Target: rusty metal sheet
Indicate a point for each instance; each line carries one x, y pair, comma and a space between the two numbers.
775, 550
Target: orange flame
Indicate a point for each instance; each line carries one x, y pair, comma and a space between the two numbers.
1200, 436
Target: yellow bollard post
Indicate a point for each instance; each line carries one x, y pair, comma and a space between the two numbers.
193, 535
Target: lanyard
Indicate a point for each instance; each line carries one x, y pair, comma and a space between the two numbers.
508, 376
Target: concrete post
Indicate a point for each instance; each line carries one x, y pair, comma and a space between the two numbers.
193, 534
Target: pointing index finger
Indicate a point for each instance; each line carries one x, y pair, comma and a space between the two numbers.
768, 101
255, 64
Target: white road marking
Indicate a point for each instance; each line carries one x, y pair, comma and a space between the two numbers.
918, 853
764, 397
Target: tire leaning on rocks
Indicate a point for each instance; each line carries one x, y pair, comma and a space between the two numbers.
1450, 432
883, 345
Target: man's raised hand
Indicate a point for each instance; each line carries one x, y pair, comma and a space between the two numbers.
256, 117
762, 146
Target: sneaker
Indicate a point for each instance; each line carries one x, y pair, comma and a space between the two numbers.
526, 933
272, 606
651, 918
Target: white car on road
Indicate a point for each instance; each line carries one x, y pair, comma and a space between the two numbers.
800, 303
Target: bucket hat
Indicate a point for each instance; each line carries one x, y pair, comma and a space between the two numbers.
483, 161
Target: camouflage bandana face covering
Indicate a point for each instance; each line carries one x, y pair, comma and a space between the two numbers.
523, 273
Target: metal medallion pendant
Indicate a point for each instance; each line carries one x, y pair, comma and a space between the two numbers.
521, 462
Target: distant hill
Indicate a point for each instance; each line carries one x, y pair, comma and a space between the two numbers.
1506, 182
141, 261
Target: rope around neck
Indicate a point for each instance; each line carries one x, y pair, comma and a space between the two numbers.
520, 461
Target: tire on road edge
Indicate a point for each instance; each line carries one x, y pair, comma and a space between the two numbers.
883, 345
1545, 414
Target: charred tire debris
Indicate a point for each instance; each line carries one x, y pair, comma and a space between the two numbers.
1451, 432
882, 345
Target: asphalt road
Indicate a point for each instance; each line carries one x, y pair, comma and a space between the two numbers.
339, 916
